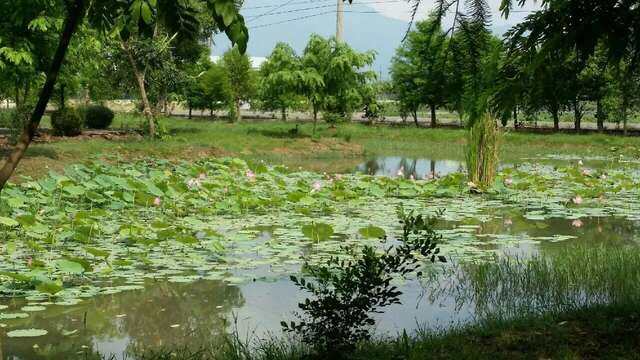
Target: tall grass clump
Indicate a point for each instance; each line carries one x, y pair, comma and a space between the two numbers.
482, 151
575, 278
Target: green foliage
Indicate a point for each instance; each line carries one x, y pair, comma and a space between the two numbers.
421, 69
281, 78
98, 117
482, 152
239, 80
214, 86
334, 76
66, 122
346, 292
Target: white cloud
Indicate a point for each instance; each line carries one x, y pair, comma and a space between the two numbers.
402, 11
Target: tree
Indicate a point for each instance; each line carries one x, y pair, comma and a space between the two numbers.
106, 15
581, 29
239, 80
333, 73
478, 55
281, 79
419, 69
214, 86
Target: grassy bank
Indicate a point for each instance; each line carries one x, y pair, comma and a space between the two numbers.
333, 150
598, 332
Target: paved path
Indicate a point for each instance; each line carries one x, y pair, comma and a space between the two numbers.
542, 126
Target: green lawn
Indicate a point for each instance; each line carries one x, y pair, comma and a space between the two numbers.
333, 149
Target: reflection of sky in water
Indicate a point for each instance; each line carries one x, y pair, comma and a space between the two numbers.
418, 168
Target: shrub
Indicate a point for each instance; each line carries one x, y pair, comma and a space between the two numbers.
14, 120
66, 122
98, 117
346, 292
7, 118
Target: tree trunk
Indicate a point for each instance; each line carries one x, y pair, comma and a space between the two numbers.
238, 116
414, 113
625, 107
139, 75
75, 15
190, 111
577, 114
18, 103
315, 119
556, 119
600, 115
515, 117
62, 99
434, 121
284, 114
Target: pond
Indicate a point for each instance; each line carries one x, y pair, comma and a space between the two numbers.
237, 278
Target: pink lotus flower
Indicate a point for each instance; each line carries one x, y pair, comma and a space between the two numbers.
586, 172
193, 183
401, 171
250, 175
29, 261
317, 186
508, 181
202, 176
471, 184
603, 177
508, 222
580, 162
577, 223
157, 201
577, 200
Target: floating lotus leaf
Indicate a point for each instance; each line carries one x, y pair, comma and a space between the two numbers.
28, 333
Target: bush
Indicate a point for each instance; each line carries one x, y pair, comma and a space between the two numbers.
66, 122
347, 292
98, 117
7, 118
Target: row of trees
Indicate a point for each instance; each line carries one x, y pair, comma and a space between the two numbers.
329, 78
434, 69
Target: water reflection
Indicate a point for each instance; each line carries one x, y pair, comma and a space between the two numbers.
169, 315
163, 315
393, 166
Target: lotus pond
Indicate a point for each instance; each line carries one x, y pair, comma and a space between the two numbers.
110, 257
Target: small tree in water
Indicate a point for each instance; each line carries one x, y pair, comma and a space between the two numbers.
345, 293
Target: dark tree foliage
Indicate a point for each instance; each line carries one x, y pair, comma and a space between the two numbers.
345, 293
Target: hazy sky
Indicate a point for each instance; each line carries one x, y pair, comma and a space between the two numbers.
402, 10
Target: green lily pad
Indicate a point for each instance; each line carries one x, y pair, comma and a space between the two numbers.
28, 333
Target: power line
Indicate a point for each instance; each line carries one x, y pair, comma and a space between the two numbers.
249, 18
322, 6
311, 16
296, 3
273, 10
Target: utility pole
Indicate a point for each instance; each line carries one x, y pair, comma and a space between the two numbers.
340, 21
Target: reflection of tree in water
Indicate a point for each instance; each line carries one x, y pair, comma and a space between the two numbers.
372, 167
202, 310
